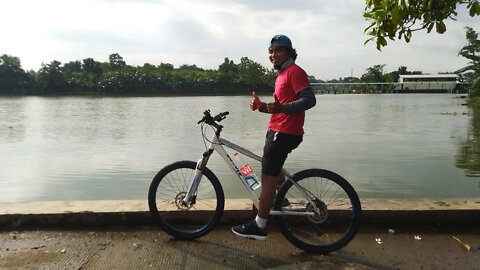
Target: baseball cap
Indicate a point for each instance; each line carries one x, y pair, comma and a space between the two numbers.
280, 41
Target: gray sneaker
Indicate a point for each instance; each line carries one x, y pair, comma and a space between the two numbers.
250, 230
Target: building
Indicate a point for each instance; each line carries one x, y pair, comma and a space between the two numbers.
438, 83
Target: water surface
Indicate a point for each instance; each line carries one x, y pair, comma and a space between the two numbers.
81, 148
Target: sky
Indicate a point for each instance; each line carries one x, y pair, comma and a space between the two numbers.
328, 35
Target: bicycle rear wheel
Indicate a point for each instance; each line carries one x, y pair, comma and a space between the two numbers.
191, 220
337, 221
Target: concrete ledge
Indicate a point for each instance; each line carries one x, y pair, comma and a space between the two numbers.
135, 212
421, 211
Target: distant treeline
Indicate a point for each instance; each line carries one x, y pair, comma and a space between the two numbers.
115, 77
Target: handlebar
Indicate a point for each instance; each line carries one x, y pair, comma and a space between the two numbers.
208, 119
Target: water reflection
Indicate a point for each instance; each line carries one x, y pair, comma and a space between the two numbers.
468, 157
12, 113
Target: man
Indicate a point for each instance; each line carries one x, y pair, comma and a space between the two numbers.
292, 97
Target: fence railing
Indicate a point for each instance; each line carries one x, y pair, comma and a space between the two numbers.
405, 87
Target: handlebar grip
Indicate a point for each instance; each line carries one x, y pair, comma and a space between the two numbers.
219, 117
222, 115
207, 118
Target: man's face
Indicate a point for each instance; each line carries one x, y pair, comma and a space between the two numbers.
278, 55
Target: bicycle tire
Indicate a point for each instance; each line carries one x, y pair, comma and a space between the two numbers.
336, 224
169, 187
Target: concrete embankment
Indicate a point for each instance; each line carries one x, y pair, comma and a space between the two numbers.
135, 212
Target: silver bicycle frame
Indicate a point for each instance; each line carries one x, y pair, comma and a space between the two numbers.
216, 145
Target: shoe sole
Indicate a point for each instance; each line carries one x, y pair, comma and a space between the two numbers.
251, 236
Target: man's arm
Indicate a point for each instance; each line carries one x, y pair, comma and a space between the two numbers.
263, 107
306, 100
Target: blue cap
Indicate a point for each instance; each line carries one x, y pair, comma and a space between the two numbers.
281, 41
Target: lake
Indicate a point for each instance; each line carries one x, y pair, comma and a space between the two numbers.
109, 148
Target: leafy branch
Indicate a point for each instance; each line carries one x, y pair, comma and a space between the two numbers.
400, 18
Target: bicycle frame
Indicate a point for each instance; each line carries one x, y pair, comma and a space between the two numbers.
216, 144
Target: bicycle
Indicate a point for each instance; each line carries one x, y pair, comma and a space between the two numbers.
316, 210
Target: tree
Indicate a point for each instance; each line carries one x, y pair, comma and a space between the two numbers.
228, 66
13, 79
395, 75
72, 66
470, 51
92, 66
400, 18
312, 79
350, 80
116, 61
72, 72
374, 74
402, 70
166, 66
227, 73
189, 67
50, 78
250, 73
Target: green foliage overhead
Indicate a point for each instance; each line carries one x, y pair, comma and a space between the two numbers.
390, 19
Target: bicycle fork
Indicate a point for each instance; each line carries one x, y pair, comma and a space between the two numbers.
195, 182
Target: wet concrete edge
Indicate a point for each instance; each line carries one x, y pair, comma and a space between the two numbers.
135, 213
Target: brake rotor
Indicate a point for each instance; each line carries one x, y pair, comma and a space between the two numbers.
321, 216
179, 201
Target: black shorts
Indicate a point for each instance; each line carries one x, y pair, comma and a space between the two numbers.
277, 147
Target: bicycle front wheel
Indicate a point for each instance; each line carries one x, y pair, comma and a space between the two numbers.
324, 209
185, 220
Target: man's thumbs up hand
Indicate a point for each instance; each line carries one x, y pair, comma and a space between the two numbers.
255, 102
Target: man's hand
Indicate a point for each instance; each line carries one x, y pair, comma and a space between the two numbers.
274, 107
255, 102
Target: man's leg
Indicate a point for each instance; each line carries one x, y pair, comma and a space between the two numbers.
275, 152
267, 195
256, 228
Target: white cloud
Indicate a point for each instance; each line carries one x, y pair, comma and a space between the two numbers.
327, 34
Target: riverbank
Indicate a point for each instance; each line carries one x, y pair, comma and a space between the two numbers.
146, 247
474, 102
135, 212
395, 234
